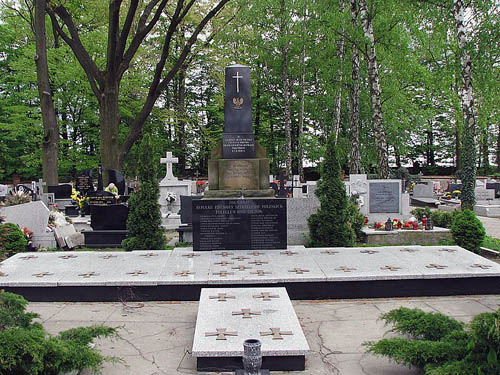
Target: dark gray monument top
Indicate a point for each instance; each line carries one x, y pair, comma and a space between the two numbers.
238, 102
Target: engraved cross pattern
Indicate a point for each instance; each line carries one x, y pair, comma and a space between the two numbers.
276, 333
288, 253
246, 313
137, 273
448, 250
329, 252
482, 266
436, 266
223, 263
42, 274
108, 256
224, 254
221, 333
223, 273
69, 256
298, 271
184, 273
409, 250
222, 297
345, 269
191, 255
237, 77
240, 258
241, 268
266, 296
28, 257
260, 273
390, 268
149, 255
88, 274
371, 252
258, 262
255, 253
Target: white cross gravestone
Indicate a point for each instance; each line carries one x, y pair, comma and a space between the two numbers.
169, 161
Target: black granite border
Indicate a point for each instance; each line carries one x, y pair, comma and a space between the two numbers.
278, 363
296, 290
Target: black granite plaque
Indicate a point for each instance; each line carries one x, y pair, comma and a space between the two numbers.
101, 198
239, 224
61, 191
384, 197
238, 146
187, 208
237, 104
111, 217
494, 185
84, 184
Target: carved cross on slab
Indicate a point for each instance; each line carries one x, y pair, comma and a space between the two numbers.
42, 274
288, 253
298, 271
69, 256
436, 266
224, 254
241, 268
191, 255
246, 313
276, 333
258, 262
368, 251
222, 297
482, 266
409, 250
223, 263
108, 256
448, 250
240, 258
390, 268
223, 273
221, 333
255, 253
88, 274
330, 252
260, 273
184, 273
137, 273
149, 255
345, 269
28, 257
266, 296
3, 274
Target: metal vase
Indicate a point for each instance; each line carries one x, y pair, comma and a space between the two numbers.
252, 356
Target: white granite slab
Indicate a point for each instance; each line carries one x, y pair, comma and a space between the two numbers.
275, 313
186, 267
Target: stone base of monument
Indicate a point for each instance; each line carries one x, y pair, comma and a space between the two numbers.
229, 316
406, 237
104, 238
269, 193
487, 210
170, 221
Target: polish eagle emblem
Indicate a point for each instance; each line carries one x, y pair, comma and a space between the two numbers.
238, 102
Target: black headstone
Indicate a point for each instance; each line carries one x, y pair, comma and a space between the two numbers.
116, 178
84, 183
496, 186
61, 191
101, 198
239, 224
187, 208
238, 140
108, 217
454, 187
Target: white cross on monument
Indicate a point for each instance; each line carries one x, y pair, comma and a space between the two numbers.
237, 76
169, 161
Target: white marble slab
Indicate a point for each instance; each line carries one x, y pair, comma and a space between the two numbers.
274, 313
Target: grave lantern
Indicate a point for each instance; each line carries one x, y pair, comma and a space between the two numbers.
388, 225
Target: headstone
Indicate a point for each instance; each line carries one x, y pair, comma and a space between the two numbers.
63, 191
172, 185
187, 208
495, 186
100, 198
116, 178
3, 190
169, 161
238, 140
359, 186
84, 183
108, 217
32, 215
62, 233
423, 191
484, 194
454, 187
225, 224
384, 197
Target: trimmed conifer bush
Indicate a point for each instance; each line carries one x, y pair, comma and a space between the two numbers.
468, 231
12, 240
144, 220
331, 224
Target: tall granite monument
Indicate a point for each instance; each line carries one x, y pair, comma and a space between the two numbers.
238, 165
239, 211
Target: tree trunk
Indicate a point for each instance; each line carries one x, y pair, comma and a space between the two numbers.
50, 140
109, 119
258, 107
181, 122
375, 93
337, 105
498, 148
469, 155
286, 91
486, 151
355, 165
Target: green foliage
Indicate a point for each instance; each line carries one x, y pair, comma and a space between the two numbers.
17, 198
420, 212
356, 218
443, 219
27, 349
468, 231
491, 243
12, 240
331, 225
441, 345
144, 221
